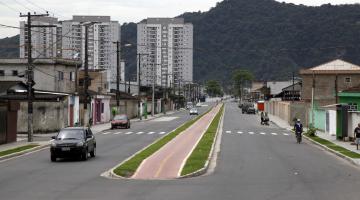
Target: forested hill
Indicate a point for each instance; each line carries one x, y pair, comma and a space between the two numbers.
270, 38
9, 47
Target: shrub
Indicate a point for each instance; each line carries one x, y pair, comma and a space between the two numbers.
311, 131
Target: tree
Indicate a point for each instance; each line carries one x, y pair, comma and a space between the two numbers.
213, 88
241, 78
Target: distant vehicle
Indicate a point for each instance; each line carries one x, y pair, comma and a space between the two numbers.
73, 141
193, 111
189, 105
248, 108
198, 104
120, 121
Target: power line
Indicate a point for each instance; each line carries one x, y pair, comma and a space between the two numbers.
11, 8
37, 6
27, 8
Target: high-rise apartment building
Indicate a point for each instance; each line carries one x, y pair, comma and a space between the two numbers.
102, 32
165, 46
46, 43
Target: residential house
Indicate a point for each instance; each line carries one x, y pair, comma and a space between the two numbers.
52, 77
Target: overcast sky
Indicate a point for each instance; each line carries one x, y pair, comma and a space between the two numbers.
120, 10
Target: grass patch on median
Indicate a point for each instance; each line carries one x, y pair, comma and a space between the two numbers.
335, 147
128, 168
200, 155
17, 149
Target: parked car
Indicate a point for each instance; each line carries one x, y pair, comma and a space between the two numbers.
193, 111
120, 121
73, 142
248, 109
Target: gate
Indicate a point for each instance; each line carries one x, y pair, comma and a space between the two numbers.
3, 130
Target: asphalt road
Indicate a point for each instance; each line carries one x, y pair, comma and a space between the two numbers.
256, 162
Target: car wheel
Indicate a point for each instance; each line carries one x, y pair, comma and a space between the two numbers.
53, 158
84, 155
93, 153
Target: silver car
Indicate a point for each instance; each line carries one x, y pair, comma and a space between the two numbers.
194, 111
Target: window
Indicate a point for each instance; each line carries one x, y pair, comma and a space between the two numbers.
72, 76
352, 106
15, 73
102, 107
2, 73
60, 75
347, 80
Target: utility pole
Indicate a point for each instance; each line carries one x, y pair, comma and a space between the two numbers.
293, 87
139, 81
312, 99
336, 88
117, 75
30, 72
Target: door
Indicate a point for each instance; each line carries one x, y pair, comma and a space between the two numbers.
3, 128
98, 110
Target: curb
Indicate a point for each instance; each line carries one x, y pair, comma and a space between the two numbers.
16, 154
203, 170
327, 148
332, 151
110, 173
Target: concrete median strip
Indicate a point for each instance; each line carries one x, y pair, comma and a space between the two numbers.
199, 160
128, 167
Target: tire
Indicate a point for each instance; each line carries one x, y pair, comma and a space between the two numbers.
93, 153
128, 126
84, 155
53, 158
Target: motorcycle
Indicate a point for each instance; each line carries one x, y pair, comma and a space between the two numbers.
265, 121
298, 137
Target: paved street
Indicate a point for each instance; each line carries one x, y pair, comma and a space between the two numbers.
256, 162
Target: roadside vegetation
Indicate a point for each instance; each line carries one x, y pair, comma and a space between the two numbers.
128, 168
17, 149
200, 155
339, 149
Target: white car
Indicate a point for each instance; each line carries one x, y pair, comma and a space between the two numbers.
194, 111
198, 104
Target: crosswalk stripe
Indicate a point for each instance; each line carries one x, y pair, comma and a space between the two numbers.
128, 133
251, 133
139, 133
273, 133
117, 133
161, 133
239, 132
151, 133
263, 133
228, 131
286, 134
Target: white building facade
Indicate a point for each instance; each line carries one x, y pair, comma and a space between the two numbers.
165, 51
101, 49
45, 40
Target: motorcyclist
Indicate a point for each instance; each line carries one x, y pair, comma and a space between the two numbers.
298, 128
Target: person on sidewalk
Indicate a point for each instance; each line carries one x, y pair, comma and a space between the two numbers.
357, 136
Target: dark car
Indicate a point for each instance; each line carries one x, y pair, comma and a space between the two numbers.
73, 142
248, 109
120, 121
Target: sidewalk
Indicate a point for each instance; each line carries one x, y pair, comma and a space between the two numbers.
43, 139
332, 138
167, 162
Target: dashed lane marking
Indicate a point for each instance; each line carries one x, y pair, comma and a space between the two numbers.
263, 133
228, 131
240, 132
285, 134
105, 133
139, 133
150, 133
251, 133
273, 133
117, 133
162, 133
128, 133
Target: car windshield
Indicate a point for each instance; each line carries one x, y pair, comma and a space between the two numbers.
70, 134
120, 117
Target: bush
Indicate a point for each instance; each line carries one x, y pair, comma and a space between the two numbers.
311, 131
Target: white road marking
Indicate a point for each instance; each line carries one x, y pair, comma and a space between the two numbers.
150, 133
128, 133
139, 133
117, 133
105, 133
273, 133
240, 132
251, 133
286, 134
161, 133
228, 131
164, 119
263, 133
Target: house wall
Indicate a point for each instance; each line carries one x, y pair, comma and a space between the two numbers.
319, 118
325, 87
128, 107
353, 121
47, 116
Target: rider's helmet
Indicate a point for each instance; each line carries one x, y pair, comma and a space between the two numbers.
298, 120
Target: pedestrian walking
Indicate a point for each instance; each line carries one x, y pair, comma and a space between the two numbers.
357, 136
